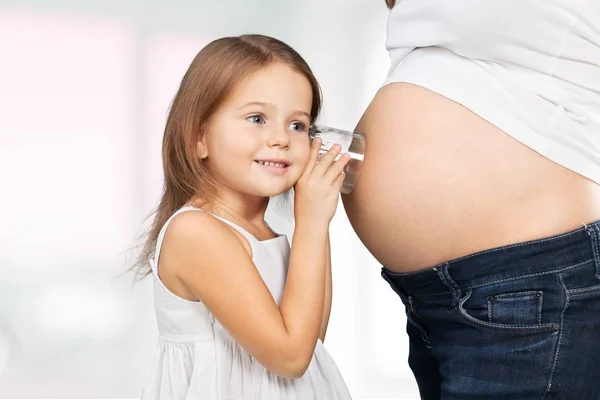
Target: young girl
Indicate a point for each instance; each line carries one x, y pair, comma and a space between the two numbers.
240, 316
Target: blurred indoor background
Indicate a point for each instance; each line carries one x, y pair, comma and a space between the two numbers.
85, 86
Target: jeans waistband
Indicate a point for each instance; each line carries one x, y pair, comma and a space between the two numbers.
535, 257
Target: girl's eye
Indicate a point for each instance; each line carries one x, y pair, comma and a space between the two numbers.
298, 126
256, 119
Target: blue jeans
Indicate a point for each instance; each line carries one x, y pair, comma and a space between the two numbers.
516, 322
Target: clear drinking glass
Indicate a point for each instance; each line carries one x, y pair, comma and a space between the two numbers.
352, 143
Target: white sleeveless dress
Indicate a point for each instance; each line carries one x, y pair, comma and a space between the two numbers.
198, 359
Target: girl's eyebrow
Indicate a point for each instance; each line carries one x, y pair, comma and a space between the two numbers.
303, 113
256, 103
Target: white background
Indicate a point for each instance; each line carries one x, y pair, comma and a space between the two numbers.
84, 90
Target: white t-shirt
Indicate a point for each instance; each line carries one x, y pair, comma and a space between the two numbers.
530, 67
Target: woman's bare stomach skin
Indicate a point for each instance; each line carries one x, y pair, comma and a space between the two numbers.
439, 182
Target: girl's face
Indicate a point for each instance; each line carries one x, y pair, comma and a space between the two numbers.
257, 143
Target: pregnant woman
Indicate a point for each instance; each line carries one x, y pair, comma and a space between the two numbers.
480, 194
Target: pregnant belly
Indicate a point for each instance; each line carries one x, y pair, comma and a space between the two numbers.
439, 182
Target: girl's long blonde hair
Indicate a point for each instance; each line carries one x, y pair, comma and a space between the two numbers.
211, 77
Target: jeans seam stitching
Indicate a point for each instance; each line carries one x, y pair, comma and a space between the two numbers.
540, 307
560, 334
555, 271
510, 295
519, 245
596, 239
530, 275
450, 283
575, 292
424, 335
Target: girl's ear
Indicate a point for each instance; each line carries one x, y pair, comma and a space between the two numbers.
201, 147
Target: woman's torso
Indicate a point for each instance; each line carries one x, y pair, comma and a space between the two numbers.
439, 181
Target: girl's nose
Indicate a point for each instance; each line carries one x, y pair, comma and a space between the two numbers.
278, 138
